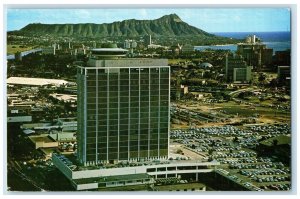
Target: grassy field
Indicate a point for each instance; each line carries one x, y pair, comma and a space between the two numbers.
266, 114
12, 49
176, 61
237, 112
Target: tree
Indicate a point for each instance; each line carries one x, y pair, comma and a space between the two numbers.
179, 151
235, 139
274, 83
210, 151
275, 142
262, 78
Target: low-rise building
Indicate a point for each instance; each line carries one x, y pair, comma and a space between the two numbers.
43, 141
187, 48
95, 177
35, 81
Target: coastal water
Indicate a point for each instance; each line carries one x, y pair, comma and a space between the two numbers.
279, 41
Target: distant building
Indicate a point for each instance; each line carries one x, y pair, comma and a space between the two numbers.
67, 124
237, 70
79, 50
43, 141
242, 75
284, 72
206, 65
49, 50
282, 58
147, 40
255, 53
133, 44
18, 56
127, 44
64, 125
252, 39
64, 97
176, 49
284, 75
130, 44
35, 81
63, 136
187, 48
178, 91
19, 119
154, 46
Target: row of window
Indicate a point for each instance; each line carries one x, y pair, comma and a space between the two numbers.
128, 110
131, 81
114, 148
154, 118
126, 92
111, 110
102, 137
132, 134
124, 72
124, 123
132, 144
124, 156
92, 102
126, 77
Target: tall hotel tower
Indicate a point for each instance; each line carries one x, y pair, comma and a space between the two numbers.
123, 108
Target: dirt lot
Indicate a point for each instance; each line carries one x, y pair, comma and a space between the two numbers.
174, 147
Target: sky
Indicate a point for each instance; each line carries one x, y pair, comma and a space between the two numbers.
207, 19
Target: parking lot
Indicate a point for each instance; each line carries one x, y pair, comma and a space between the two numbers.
235, 148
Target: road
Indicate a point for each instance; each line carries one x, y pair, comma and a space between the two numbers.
16, 169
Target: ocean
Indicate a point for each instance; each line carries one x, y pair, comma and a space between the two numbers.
279, 41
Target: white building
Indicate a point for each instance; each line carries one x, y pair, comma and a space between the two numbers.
35, 81
88, 178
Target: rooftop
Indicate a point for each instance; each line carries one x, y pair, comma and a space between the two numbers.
183, 186
75, 167
113, 178
41, 138
109, 50
35, 81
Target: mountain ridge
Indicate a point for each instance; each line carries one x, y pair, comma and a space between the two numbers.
167, 25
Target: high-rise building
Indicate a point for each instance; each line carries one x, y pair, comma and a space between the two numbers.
282, 58
284, 76
284, 72
147, 40
237, 70
254, 52
123, 108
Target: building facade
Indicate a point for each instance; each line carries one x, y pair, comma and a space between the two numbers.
91, 178
255, 53
147, 40
123, 108
237, 70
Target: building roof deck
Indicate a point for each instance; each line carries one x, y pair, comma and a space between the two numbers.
124, 164
41, 138
35, 81
130, 177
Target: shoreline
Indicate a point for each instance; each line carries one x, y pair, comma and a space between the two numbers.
217, 45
